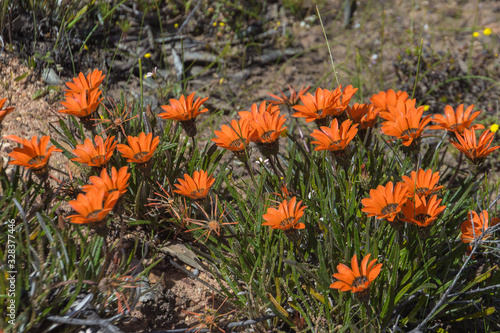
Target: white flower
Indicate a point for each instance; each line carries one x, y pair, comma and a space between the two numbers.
261, 161
150, 74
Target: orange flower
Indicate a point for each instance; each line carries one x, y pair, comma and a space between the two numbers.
195, 187
82, 83
286, 217
235, 138
473, 229
383, 99
290, 101
267, 128
184, 108
92, 207
83, 104
408, 127
140, 149
456, 121
422, 183
33, 155
355, 280
258, 110
117, 182
95, 156
324, 103
475, 151
185, 111
334, 139
4, 112
385, 201
422, 212
363, 114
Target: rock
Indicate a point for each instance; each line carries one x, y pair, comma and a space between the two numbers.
50, 77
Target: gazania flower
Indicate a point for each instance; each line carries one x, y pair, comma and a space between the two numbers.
289, 101
422, 212
33, 155
324, 103
386, 201
140, 149
475, 151
95, 156
286, 217
355, 279
117, 182
363, 114
92, 207
267, 129
408, 127
4, 112
456, 121
258, 110
185, 111
82, 104
195, 187
475, 226
235, 138
383, 99
422, 183
334, 138
82, 83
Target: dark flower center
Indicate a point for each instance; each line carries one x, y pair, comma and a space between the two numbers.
422, 217
140, 156
94, 214
98, 159
409, 131
267, 135
198, 193
421, 190
390, 208
359, 281
236, 143
287, 222
37, 159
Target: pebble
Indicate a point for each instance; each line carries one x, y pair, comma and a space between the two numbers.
50, 77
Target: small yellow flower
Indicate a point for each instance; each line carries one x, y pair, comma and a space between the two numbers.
176, 25
222, 24
494, 128
487, 31
221, 81
426, 107
278, 23
475, 34
85, 47
215, 24
147, 55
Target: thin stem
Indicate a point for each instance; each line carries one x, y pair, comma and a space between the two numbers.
418, 67
328, 45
